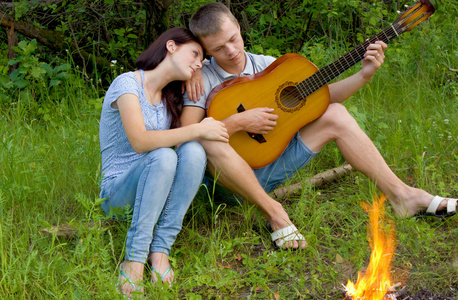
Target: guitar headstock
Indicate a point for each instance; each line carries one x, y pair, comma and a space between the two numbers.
416, 14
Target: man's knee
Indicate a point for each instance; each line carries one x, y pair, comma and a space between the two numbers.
338, 116
216, 150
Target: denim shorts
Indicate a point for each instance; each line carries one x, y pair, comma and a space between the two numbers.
296, 156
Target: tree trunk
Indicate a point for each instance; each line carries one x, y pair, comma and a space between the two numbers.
157, 19
12, 42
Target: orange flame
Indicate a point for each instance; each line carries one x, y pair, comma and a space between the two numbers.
375, 283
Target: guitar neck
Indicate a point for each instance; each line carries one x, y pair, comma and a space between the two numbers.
331, 71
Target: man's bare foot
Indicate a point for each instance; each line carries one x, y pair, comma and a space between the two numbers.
161, 269
130, 278
416, 202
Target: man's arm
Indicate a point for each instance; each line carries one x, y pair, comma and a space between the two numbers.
257, 120
191, 115
373, 59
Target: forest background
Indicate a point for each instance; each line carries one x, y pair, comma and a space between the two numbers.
59, 57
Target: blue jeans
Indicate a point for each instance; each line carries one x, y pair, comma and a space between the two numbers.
296, 156
159, 187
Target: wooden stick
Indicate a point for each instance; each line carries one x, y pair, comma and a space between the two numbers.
316, 180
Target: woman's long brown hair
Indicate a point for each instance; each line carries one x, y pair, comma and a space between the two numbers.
155, 54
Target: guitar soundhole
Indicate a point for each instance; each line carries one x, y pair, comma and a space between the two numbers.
290, 97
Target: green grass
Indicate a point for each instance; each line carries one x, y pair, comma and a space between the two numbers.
50, 169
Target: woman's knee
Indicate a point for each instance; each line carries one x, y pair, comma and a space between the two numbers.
163, 160
192, 152
192, 148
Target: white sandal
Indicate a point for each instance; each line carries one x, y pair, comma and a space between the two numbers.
432, 208
288, 233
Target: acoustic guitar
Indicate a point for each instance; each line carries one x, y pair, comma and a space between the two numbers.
296, 89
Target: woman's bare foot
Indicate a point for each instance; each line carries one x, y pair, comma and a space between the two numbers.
130, 278
161, 268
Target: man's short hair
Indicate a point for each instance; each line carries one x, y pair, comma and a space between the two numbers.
207, 19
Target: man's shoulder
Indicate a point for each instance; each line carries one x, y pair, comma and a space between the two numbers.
261, 59
208, 68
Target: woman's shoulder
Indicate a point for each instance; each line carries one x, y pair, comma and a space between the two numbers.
130, 78
125, 83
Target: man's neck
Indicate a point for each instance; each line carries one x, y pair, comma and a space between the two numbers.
236, 69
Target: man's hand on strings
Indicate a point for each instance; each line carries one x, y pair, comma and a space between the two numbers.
258, 120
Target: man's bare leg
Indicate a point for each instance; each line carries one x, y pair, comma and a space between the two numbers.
234, 173
358, 150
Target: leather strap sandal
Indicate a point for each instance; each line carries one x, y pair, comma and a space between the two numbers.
432, 208
284, 235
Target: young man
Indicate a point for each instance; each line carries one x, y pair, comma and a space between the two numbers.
219, 33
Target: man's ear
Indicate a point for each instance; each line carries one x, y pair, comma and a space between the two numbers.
171, 46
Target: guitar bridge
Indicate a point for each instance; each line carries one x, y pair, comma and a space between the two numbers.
255, 136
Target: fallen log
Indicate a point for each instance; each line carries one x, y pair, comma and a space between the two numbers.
316, 180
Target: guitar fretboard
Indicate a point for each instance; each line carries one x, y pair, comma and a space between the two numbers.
331, 71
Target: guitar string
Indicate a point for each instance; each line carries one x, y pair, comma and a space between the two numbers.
319, 78
307, 87
314, 82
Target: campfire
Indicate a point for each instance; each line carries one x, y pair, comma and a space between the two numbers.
375, 284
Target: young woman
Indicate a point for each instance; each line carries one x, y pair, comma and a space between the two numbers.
138, 126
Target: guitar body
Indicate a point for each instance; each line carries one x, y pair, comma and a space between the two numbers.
295, 89
274, 87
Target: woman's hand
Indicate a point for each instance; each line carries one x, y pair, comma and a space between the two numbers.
194, 86
213, 130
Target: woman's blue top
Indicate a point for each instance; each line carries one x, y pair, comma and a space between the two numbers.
117, 153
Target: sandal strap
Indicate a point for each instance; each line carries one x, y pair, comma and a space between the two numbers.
451, 205
432, 208
164, 274
288, 233
284, 232
136, 288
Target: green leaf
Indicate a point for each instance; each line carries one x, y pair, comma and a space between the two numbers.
21, 83
63, 67
119, 31
4, 80
37, 72
54, 82
382, 125
28, 48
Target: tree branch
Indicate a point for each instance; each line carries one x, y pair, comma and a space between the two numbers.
316, 180
51, 39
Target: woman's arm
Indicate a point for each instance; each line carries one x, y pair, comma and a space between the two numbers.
143, 140
194, 86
